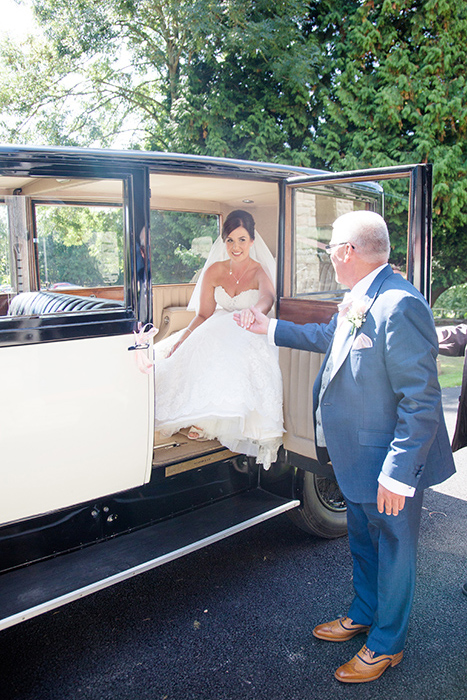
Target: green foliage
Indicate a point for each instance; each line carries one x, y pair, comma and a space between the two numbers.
399, 97
172, 236
80, 245
333, 84
452, 303
105, 69
450, 371
231, 78
250, 90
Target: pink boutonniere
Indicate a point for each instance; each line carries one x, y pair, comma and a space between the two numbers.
356, 315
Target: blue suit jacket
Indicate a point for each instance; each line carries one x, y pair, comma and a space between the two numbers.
382, 408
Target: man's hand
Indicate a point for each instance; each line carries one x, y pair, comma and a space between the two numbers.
253, 320
388, 501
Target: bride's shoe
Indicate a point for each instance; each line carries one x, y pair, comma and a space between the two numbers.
196, 434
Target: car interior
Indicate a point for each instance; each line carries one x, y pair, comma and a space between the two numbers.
73, 261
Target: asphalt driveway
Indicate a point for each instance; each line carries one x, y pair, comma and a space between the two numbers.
234, 621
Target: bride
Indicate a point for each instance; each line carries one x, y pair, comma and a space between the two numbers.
219, 379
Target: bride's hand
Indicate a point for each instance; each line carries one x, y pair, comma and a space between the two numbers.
257, 321
244, 318
177, 345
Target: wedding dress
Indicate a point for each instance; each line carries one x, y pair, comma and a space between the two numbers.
224, 380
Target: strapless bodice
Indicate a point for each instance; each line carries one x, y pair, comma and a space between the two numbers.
247, 298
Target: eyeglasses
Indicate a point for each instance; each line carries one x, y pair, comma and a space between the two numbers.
328, 248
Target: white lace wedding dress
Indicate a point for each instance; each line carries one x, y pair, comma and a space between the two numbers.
224, 380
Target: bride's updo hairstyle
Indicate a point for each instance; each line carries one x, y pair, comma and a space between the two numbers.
236, 219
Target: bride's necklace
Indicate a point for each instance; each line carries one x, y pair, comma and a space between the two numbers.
243, 273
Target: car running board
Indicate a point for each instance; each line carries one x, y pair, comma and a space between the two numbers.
43, 586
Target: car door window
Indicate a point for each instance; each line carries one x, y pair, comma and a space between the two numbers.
62, 245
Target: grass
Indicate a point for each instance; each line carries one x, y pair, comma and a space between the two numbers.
450, 371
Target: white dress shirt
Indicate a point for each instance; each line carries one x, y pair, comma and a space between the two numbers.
356, 294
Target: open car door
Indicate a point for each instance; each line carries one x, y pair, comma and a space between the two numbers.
307, 290
77, 415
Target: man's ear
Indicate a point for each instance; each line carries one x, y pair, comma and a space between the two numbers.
349, 250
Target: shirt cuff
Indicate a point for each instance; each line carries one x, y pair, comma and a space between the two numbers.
272, 330
395, 486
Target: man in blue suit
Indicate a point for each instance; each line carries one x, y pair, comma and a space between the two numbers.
378, 417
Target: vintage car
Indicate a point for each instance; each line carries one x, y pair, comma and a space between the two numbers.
94, 242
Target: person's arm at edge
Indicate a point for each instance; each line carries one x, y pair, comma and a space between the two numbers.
452, 340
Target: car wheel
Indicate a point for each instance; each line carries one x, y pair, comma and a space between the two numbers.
323, 511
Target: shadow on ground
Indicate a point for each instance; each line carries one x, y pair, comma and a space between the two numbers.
234, 621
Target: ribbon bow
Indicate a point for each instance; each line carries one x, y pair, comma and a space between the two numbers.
143, 338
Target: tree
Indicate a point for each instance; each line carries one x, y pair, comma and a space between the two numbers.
251, 92
172, 236
48, 97
334, 84
398, 96
104, 68
80, 245
234, 78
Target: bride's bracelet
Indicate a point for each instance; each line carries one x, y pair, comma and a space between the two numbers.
189, 330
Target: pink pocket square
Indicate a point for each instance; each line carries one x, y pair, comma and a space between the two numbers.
362, 341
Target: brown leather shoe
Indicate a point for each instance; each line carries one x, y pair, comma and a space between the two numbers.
366, 666
339, 630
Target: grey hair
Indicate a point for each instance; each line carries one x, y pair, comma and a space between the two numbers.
367, 231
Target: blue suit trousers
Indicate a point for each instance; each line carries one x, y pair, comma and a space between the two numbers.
384, 551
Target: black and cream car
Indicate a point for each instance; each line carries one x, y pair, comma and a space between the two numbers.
94, 242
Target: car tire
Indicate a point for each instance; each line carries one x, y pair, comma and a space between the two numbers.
323, 511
